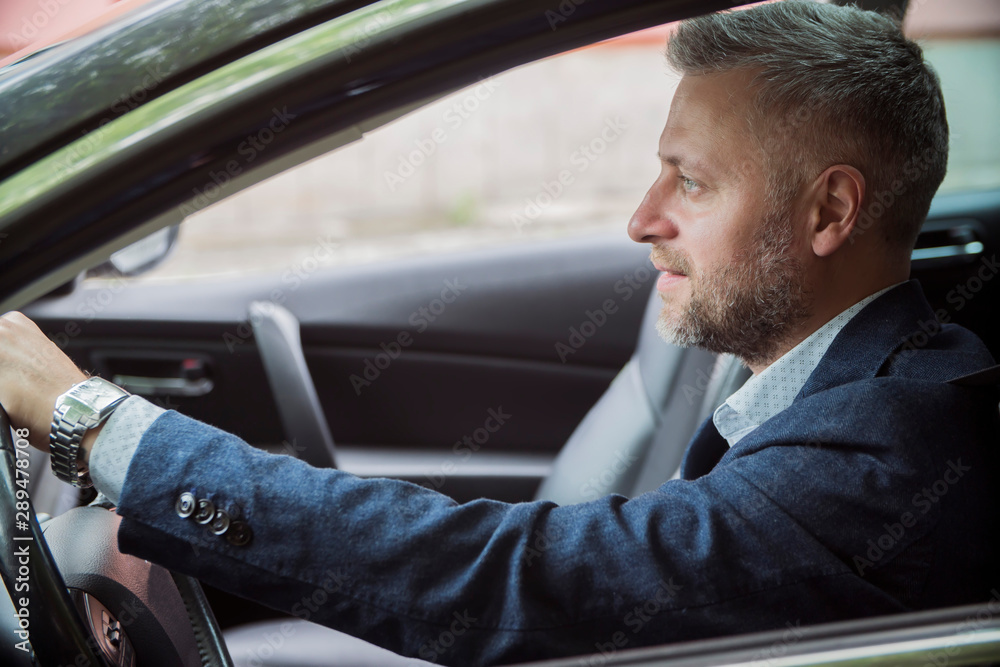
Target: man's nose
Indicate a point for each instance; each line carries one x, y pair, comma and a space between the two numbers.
652, 222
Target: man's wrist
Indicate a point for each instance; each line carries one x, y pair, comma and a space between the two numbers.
118, 441
87, 444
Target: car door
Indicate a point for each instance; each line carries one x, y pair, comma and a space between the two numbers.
148, 319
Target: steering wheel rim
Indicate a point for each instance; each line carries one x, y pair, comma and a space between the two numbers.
59, 635
57, 631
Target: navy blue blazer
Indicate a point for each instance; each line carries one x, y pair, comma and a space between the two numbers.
873, 493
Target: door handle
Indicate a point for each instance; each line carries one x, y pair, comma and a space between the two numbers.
948, 244
156, 373
973, 249
169, 386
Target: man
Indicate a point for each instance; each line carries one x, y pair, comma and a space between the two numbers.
847, 478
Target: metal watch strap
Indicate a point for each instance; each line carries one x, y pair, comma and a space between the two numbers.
64, 444
84, 406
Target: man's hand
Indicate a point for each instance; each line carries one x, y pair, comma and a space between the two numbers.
33, 374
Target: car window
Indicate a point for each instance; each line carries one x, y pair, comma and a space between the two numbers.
562, 146
961, 39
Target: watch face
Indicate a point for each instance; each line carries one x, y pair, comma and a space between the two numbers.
87, 392
97, 394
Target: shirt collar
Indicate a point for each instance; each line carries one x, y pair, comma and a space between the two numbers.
773, 389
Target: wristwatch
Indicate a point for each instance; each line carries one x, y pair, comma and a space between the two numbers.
80, 409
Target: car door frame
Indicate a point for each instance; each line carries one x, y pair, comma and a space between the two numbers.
74, 205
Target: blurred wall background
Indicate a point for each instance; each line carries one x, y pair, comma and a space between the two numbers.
561, 147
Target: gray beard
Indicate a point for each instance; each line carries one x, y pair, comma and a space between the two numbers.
749, 307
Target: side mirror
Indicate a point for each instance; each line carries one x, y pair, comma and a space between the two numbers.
131, 260
140, 256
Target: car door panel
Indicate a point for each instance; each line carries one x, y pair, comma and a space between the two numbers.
961, 240
497, 352
498, 345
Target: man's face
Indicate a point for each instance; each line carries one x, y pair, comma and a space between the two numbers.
732, 281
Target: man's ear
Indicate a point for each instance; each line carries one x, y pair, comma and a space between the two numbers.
836, 204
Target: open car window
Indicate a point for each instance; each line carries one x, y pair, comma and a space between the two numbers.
564, 146
554, 147
962, 41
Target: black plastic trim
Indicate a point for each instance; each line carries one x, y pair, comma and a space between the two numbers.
75, 87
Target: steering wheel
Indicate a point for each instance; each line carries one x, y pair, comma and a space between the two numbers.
73, 595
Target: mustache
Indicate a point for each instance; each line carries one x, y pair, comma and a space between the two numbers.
672, 258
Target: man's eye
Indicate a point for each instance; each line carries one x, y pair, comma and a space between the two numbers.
688, 184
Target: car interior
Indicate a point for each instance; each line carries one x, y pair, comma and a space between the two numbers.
633, 398
322, 372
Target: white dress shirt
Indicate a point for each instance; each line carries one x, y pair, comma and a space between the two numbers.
117, 442
774, 388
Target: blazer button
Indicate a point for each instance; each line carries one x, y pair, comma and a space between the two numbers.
239, 534
220, 522
204, 511
185, 505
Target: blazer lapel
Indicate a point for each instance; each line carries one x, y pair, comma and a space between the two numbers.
705, 450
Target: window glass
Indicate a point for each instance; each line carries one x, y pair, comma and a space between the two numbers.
970, 78
564, 146
557, 148
961, 39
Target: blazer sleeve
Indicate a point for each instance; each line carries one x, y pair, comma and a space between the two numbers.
485, 582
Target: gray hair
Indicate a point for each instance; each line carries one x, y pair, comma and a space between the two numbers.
833, 85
